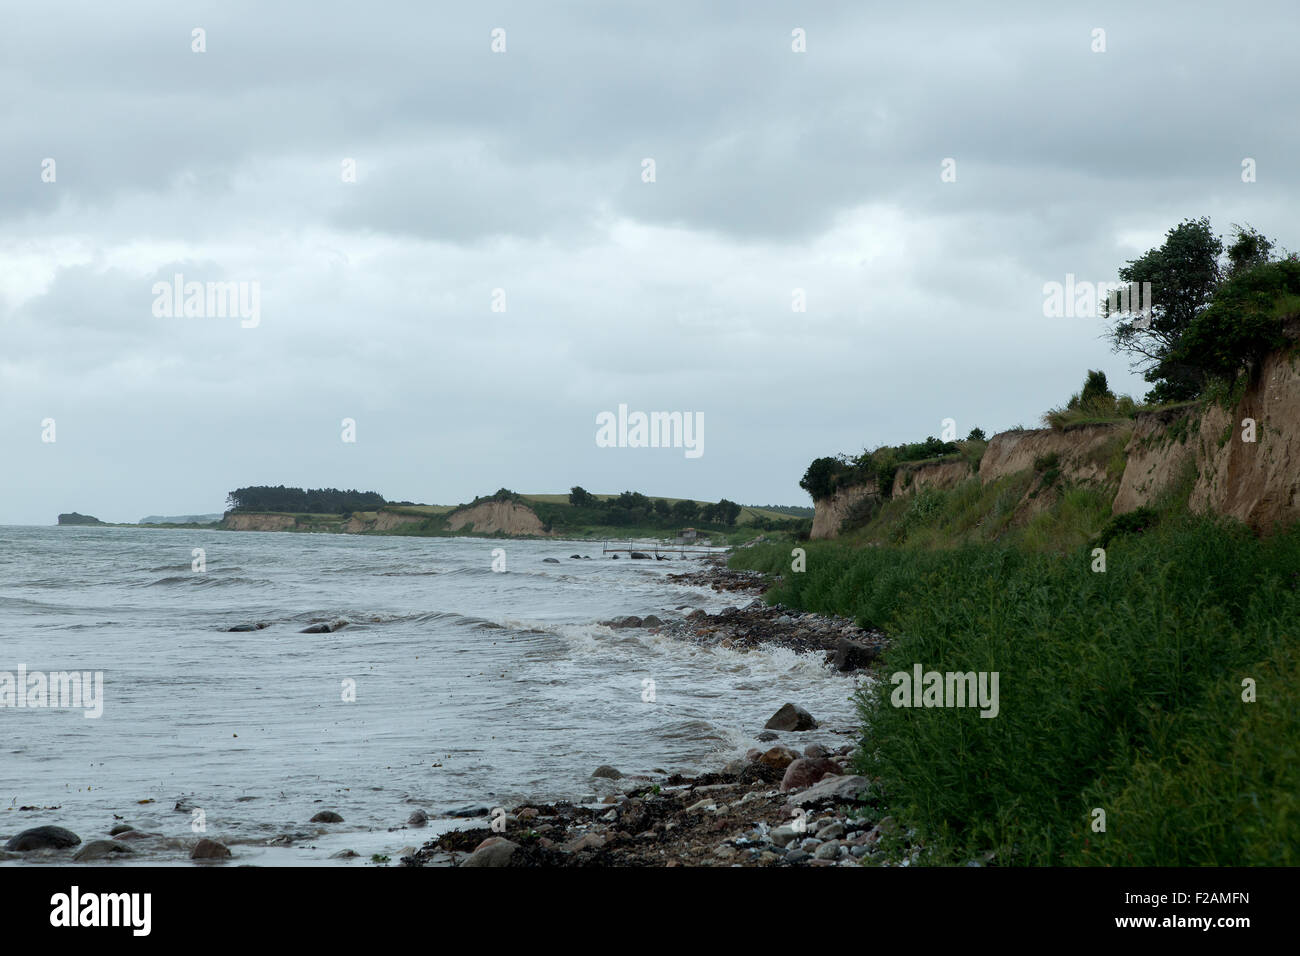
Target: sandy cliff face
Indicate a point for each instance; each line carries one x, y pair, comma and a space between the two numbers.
1162, 447
829, 513
935, 474
1083, 452
491, 517
257, 522
383, 521
1257, 482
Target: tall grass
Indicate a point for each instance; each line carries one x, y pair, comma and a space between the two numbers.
1119, 691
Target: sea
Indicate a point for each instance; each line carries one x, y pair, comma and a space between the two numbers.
450, 685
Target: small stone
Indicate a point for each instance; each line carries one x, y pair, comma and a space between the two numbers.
783, 835
99, 849
494, 851
207, 849
830, 831
807, 771
827, 851
778, 758
344, 855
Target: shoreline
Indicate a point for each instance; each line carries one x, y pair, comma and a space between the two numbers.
792, 800
765, 808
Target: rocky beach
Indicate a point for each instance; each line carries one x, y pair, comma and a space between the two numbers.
792, 800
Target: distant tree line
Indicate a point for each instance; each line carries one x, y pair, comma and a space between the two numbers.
632, 508
302, 500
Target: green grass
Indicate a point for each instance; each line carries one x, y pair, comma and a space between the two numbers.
1118, 690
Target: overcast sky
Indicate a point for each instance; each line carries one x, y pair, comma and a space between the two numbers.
522, 171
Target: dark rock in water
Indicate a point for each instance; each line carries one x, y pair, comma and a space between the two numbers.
207, 849
630, 620
326, 816
317, 629
247, 627
806, 771
99, 849
417, 819
791, 717
43, 838
468, 812
494, 851
614, 557
586, 557
120, 828
184, 805
576, 557
606, 771
343, 855
766, 736
852, 655
550, 560
640, 556
651, 621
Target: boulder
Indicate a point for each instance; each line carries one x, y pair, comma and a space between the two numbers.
99, 849
630, 620
326, 816
778, 758
791, 717
806, 771
852, 655
417, 819
640, 556
651, 620
207, 849
120, 828
606, 771
316, 629
468, 812
43, 838
834, 789
550, 560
